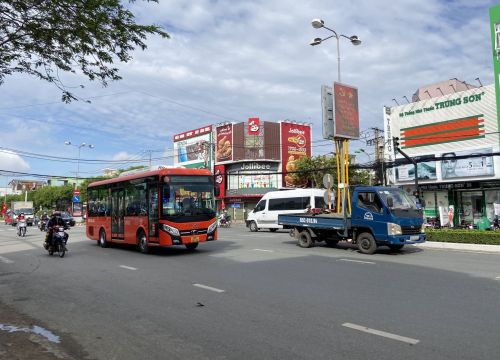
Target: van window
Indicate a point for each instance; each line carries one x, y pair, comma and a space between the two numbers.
296, 203
319, 202
260, 206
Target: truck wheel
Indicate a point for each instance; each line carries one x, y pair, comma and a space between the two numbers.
396, 247
305, 240
366, 243
253, 227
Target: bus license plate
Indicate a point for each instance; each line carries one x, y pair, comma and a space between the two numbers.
414, 238
194, 239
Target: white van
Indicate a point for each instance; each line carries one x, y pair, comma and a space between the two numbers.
265, 214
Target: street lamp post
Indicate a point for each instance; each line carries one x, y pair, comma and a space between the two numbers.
90, 146
354, 39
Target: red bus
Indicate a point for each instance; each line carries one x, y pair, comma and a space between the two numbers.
172, 206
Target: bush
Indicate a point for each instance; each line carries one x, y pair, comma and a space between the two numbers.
464, 236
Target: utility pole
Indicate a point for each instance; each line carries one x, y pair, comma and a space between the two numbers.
396, 147
376, 143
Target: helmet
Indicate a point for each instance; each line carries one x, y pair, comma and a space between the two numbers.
56, 213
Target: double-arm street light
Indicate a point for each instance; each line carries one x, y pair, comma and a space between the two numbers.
355, 40
68, 142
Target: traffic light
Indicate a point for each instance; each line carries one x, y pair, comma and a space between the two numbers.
395, 142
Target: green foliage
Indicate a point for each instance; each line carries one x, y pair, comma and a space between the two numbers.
464, 236
49, 197
42, 38
314, 168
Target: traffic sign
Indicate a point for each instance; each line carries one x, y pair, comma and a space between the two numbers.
328, 181
76, 192
76, 198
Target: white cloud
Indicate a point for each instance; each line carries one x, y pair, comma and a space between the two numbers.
12, 162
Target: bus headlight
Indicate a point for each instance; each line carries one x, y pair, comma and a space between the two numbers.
394, 229
212, 227
171, 230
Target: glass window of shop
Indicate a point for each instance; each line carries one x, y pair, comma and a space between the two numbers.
492, 198
472, 206
240, 180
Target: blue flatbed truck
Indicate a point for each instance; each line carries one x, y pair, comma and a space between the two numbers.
380, 216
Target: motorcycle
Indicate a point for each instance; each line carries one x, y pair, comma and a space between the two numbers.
225, 221
42, 225
496, 224
58, 242
21, 228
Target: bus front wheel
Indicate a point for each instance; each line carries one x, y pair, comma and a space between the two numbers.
102, 239
143, 243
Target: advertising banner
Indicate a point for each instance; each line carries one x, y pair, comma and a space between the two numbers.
346, 111
253, 126
479, 165
191, 148
426, 171
220, 180
224, 143
295, 144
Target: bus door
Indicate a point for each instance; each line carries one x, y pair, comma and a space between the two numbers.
117, 213
153, 210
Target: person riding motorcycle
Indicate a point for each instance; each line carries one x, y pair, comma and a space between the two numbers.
44, 220
19, 219
54, 222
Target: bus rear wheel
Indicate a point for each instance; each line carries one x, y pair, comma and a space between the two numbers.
142, 243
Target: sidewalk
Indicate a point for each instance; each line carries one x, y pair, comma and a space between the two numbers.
459, 246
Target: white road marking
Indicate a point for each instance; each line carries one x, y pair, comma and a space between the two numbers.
128, 267
497, 278
357, 261
5, 260
208, 288
382, 333
263, 250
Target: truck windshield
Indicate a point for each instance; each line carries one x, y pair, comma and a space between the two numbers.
188, 198
399, 198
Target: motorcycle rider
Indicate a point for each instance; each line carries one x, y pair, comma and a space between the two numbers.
54, 222
19, 219
43, 220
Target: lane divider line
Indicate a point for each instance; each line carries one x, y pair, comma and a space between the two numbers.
209, 288
5, 260
264, 250
357, 261
382, 333
128, 267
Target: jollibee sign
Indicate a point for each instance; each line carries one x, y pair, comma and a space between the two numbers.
295, 144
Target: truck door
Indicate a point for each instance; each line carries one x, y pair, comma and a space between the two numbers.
368, 210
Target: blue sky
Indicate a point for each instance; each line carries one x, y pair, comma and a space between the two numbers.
231, 60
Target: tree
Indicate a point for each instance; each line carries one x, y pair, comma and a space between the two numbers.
41, 38
314, 168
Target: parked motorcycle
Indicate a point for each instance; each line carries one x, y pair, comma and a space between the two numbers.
21, 228
495, 225
58, 242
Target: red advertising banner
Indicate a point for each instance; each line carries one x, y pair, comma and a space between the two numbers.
346, 111
220, 180
295, 143
224, 143
4, 209
253, 126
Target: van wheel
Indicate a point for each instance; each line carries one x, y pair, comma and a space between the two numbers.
253, 227
366, 243
273, 229
305, 239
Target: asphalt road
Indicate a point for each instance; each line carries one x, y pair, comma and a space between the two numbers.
250, 296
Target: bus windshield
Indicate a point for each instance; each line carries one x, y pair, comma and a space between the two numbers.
187, 198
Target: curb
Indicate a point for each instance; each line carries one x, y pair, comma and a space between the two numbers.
458, 246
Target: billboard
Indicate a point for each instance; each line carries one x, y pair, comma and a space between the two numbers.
191, 148
295, 144
479, 164
426, 171
345, 99
495, 43
224, 143
220, 180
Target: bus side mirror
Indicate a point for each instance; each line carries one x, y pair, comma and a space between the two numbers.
390, 202
216, 191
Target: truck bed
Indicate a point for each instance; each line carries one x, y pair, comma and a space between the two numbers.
320, 221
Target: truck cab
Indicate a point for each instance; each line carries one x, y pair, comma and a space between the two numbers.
388, 214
